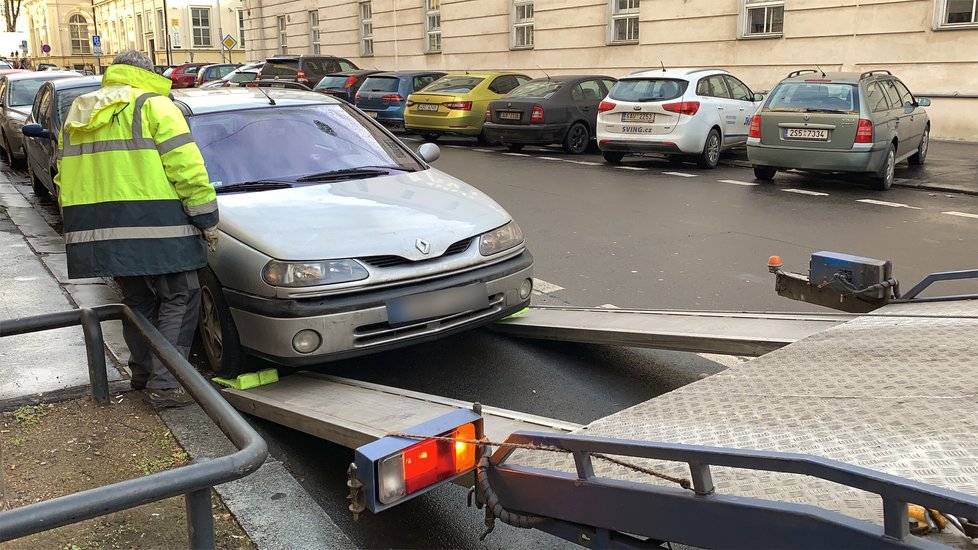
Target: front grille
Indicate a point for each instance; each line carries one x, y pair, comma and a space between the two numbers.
393, 261
383, 333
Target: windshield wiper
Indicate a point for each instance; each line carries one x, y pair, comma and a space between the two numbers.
257, 185
353, 173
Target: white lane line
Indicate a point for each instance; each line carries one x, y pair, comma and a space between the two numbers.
632, 168
962, 214
680, 174
806, 192
608, 306
549, 158
738, 182
516, 154
484, 150
545, 287
885, 203
456, 146
584, 162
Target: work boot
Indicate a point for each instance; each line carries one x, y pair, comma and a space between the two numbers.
169, 398
138, 383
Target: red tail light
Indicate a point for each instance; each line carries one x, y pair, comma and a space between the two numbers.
606, 106
409, 103
755, 127
356, 97
459, 105
300, 76
683, 107
258, 76
864, 131
350, 82
396, 98
488, 115
536, 116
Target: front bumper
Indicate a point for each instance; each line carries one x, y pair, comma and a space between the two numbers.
869, 160
357, 324
542, 134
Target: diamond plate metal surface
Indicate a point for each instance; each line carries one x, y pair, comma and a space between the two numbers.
896, 391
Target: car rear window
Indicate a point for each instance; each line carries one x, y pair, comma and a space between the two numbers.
802, 97
241, 76
537, 89
191, 70
280, 68
454, 84
22, 92
336, 81
380, 84
648, 89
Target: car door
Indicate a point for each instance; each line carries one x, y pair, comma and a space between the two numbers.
742, 98
4, 85
715, 98
898, 118
586, 95
914, 116
46, 149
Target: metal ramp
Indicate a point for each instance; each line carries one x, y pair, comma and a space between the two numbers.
720, 332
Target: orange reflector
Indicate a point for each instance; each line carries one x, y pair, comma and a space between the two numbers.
774, 261
464, 452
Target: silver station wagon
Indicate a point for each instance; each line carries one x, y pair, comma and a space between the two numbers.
336, 239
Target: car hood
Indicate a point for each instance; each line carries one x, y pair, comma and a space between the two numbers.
357, 218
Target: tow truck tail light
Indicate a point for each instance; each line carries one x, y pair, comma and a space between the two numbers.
536, 116
426, 463
395, 98
606, 106
864, 131
755, 126
459, 105
683, 107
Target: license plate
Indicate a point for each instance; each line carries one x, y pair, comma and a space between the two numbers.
509, 116
805, 133
427, 107
371, 114
638, 117
439, 303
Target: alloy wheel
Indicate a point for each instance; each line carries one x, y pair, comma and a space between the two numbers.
578, 140
713, 153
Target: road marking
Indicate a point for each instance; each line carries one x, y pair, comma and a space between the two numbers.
584, 162
632, 168
516, 154
962, 214
545, 287
549, 158
484, 150
456, 146
885, 203
608, 306
738, 182
680, 174
806, 192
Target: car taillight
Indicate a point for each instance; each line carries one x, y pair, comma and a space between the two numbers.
409, 103
300, 76
356, 97
683, 107
426, 463
488, 115
864, 131
396, 98
755, 126
258, 76
350, 82
536, 115
459, 105
606, 106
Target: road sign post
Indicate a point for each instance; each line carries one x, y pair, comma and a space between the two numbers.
229, 43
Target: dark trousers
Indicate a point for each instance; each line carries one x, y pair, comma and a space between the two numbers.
172, 303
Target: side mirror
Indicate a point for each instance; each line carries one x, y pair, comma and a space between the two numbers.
36, 131
429, 152
923, 102
758, 97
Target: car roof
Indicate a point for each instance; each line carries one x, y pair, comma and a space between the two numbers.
197, 101
224, 65
75, 82
680, 72
483, 75
406, 73
303, 56
570, 77
355, 72
848, 77
42, 75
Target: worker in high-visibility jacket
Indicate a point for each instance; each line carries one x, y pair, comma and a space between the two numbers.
138, 206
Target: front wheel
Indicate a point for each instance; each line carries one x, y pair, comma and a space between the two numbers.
920, 156
39, 190
883, 179
217, 331
613, 157
710, 156
577, 139
765, 173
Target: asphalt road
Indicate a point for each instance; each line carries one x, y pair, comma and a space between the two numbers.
646, 235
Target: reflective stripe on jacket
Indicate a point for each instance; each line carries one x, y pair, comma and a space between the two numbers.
134, 191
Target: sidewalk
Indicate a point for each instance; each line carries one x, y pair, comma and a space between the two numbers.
51, 367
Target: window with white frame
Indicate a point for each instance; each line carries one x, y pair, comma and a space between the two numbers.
366, 28
78, 29
953, 14
522, 16
160, 27
623, 23
200, 26
762, 18
139, 32
432, 26
241, 27
283, 38
314, 31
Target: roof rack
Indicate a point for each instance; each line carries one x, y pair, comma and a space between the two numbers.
868, 74
802, 71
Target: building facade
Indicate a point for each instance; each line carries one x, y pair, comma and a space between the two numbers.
932, 45
64, 26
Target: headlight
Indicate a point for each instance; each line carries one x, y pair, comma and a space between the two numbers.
500, 239
299, 274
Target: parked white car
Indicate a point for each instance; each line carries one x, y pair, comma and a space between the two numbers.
677, 112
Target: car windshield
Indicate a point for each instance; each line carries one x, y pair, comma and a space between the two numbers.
334, 81
814, 97
380, 84
536, 88
648, 89
65, 97
454, 84
22, 92
286, 143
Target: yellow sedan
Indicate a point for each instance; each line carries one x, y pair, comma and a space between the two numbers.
456, 104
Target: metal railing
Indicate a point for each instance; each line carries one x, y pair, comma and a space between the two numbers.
937, 277
195, 480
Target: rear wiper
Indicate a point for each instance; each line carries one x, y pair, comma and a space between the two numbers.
257, 185
353, 173
840, 111
647, 99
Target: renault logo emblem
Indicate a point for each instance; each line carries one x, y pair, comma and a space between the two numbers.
423, 246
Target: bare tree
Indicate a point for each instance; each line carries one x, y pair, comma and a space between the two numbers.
11, 11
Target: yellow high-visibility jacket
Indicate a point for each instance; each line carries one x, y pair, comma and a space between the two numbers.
133, 188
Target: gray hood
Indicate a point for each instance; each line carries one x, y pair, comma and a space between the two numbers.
357, 218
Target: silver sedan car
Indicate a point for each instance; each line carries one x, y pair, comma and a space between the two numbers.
336, 240
17, 93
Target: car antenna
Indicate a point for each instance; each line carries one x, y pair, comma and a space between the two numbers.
820, 70
544, 72
262, 90
662, 65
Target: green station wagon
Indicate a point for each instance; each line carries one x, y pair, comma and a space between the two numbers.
839, 122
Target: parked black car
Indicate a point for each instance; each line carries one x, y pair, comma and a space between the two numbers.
304, 69
343, 85
559, 109
51, 105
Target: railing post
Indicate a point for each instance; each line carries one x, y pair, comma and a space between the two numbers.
896, 519
702, 478
95, 348
200, 519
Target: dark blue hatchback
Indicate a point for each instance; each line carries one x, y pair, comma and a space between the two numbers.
382, 95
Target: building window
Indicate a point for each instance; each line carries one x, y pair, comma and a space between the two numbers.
957, 14
283, 38
241, 28
762, 18
366, 28
432, 26
523, 24
78, 28
139, 32
314, 31
624, 21
200, 25
160, 27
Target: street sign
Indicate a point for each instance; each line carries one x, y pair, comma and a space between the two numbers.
229, 42
96, 41
46, 48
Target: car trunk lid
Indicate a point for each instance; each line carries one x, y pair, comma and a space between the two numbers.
377, 92
646, 106
515, 111
811, 114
